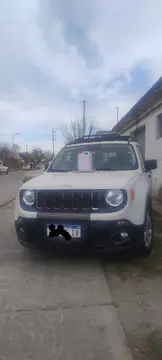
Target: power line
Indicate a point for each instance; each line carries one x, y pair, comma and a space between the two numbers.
84, 117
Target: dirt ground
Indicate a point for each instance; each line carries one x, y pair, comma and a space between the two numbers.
136, 286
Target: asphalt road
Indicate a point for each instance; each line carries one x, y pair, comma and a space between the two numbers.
9, 185
54, 306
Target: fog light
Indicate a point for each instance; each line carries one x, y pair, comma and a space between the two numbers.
121, 222
124, 235
22, 230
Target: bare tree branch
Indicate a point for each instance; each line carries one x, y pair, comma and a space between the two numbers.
4, 151
75, 129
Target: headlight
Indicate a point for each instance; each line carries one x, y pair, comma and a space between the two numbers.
28, 197
114, 197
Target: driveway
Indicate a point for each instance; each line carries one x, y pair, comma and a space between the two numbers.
54, 306
136, 288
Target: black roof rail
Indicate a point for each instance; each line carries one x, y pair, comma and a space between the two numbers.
110, 136
107, 132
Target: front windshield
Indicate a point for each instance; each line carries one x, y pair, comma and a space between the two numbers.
105, 157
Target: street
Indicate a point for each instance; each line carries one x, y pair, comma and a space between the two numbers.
9, 185
63, 305
54, 306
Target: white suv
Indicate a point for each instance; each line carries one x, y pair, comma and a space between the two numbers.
108, 207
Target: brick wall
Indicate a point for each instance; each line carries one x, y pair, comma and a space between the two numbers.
12, 163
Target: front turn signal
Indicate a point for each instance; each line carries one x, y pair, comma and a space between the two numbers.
132, 194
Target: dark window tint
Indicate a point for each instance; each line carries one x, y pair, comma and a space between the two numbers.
106, 157
159, 126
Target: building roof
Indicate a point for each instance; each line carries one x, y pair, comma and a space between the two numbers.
147, 101
14, 155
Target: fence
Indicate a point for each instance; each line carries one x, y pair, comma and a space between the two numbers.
12, 163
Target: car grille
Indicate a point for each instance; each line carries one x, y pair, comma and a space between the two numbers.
70, 200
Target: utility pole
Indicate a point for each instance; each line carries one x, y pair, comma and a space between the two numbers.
117, 111
53, 140
12, 143
13, 140
26, 147
84, 117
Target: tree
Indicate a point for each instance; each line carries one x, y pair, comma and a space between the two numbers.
26, 156
32, 157
75, 129
36, 156
4, 151
48, 156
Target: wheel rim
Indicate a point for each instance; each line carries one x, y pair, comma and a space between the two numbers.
148, 231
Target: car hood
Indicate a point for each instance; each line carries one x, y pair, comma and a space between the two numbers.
78, 180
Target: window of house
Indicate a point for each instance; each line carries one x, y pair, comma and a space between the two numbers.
159, 126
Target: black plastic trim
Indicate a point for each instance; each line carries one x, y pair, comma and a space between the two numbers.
104, 208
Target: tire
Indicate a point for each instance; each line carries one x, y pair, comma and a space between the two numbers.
147, 234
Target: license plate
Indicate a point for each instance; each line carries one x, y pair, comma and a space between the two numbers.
73, 230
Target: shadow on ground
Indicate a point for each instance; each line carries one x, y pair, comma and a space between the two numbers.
136, 289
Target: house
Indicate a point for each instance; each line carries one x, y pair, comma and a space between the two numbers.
144, 121
12, 161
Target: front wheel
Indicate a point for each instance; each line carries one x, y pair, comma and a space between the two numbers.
147, 235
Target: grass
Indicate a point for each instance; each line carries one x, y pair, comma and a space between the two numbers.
153, 263
145, 344
154, 347
149, 348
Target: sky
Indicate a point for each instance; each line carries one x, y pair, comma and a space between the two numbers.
56, 53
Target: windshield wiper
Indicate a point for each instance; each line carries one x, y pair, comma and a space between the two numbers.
104, 169
58, 170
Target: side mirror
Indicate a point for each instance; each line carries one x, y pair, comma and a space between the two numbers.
150, 164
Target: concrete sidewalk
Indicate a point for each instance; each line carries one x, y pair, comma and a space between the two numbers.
57, 309
10, 185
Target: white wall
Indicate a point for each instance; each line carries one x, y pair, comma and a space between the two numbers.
153, 146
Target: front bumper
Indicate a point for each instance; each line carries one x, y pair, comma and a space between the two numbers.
98, 234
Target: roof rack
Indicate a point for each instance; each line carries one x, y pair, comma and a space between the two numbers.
98, 137
107, 132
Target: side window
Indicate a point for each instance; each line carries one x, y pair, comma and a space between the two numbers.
65, 161
159, 126
141, 157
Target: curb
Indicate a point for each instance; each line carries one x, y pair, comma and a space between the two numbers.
14, 170
117, 337
7, 202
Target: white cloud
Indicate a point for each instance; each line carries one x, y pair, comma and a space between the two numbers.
55, 54
45, 145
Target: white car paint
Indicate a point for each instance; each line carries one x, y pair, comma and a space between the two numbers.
3, 169
138, 180
79, 180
